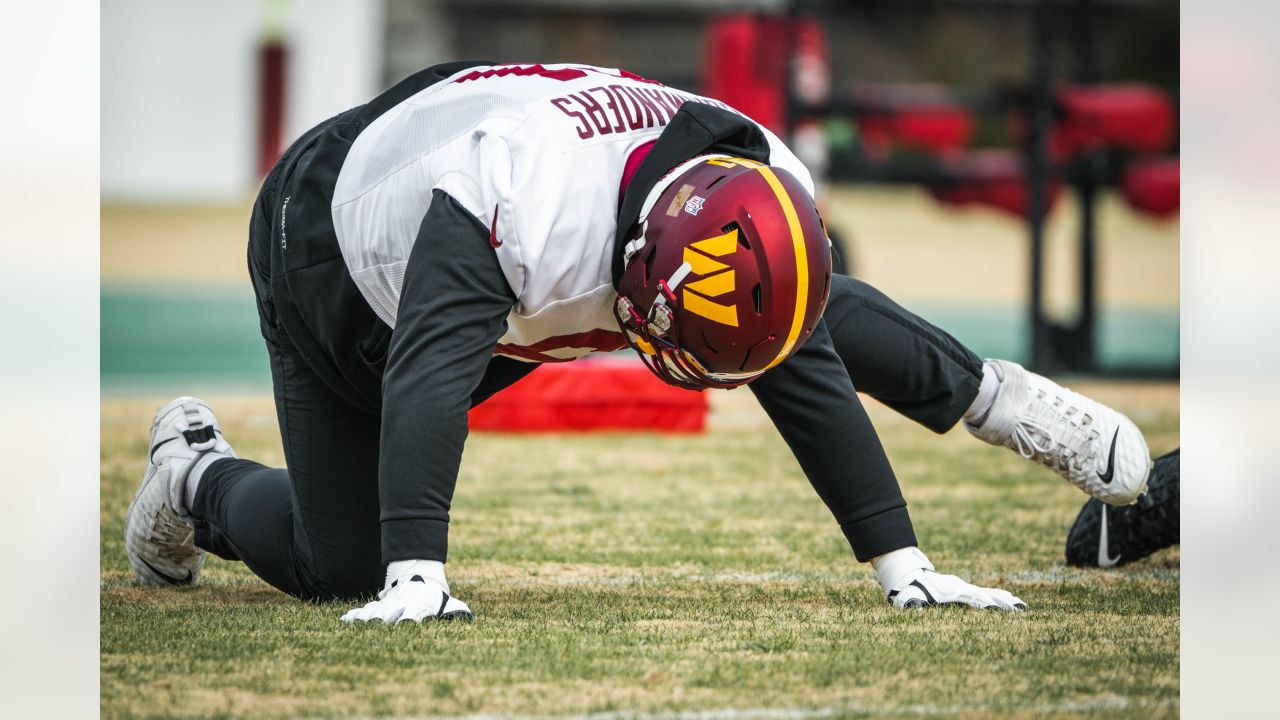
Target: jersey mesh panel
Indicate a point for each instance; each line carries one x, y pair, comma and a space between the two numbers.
380, 286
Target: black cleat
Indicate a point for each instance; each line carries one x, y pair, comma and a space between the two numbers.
1106, 535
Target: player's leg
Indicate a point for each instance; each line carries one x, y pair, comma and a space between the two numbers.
312, 533
312, 530
900, 359
929, 376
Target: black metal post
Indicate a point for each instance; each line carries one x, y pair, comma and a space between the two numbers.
1039, 117
1084, 353
790, 16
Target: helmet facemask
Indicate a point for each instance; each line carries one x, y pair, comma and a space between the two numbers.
655, 336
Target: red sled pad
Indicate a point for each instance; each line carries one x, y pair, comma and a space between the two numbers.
745, 63
1125, 117
593, 395
1153, 186
990, 178
923, 117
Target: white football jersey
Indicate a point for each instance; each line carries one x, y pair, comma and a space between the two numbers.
536, 153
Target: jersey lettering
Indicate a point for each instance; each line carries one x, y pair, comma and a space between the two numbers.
584, 129
609, 109
594, 111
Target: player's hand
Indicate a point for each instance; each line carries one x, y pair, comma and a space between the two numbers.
910, 581
926, 587
411, 598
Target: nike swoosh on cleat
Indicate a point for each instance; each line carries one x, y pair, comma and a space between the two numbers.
166, 576
1105, 477
158, 445
216, 433
1103, 560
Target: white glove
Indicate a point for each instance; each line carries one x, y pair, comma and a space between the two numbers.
909, 581
415, 591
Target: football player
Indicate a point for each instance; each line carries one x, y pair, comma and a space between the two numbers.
416, 254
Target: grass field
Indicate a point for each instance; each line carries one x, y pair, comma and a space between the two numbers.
672, 577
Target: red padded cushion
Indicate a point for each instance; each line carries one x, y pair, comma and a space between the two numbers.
1126, 117
1153, 186
991, 178
592, 395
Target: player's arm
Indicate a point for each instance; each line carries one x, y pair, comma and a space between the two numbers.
812, 402
453, 309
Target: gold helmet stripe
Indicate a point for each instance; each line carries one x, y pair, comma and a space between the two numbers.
802, 262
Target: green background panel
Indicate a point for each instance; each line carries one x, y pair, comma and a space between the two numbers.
201, 337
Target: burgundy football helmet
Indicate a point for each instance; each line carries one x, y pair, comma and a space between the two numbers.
727, 273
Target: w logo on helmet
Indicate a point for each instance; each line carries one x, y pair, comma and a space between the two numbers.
717, 278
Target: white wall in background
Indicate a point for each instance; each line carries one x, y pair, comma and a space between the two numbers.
179, 88
337, 53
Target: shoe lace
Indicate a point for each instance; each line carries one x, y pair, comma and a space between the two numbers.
1054, 433
174, 539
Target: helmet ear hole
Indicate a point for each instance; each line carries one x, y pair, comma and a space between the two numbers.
742, 237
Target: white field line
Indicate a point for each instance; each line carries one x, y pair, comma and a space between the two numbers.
1111, 702
1055, 576
1062, 575
640, 577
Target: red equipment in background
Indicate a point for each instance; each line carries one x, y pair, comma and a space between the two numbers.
992, 178
746, 61
745, 64
774, 69
922, 117
272, 65
1130, 117
606, 394
1086, 134
1153, 186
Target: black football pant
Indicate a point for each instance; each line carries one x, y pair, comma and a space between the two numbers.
313, 530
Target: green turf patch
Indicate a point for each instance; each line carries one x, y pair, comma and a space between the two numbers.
206, 336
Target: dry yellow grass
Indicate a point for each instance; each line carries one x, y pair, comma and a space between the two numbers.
642, 574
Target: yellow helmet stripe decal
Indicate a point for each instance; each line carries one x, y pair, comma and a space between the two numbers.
802, 262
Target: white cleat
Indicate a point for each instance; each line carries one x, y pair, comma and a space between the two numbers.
1094, 447
159, 535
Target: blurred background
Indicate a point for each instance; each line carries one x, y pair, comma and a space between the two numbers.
1006, 168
